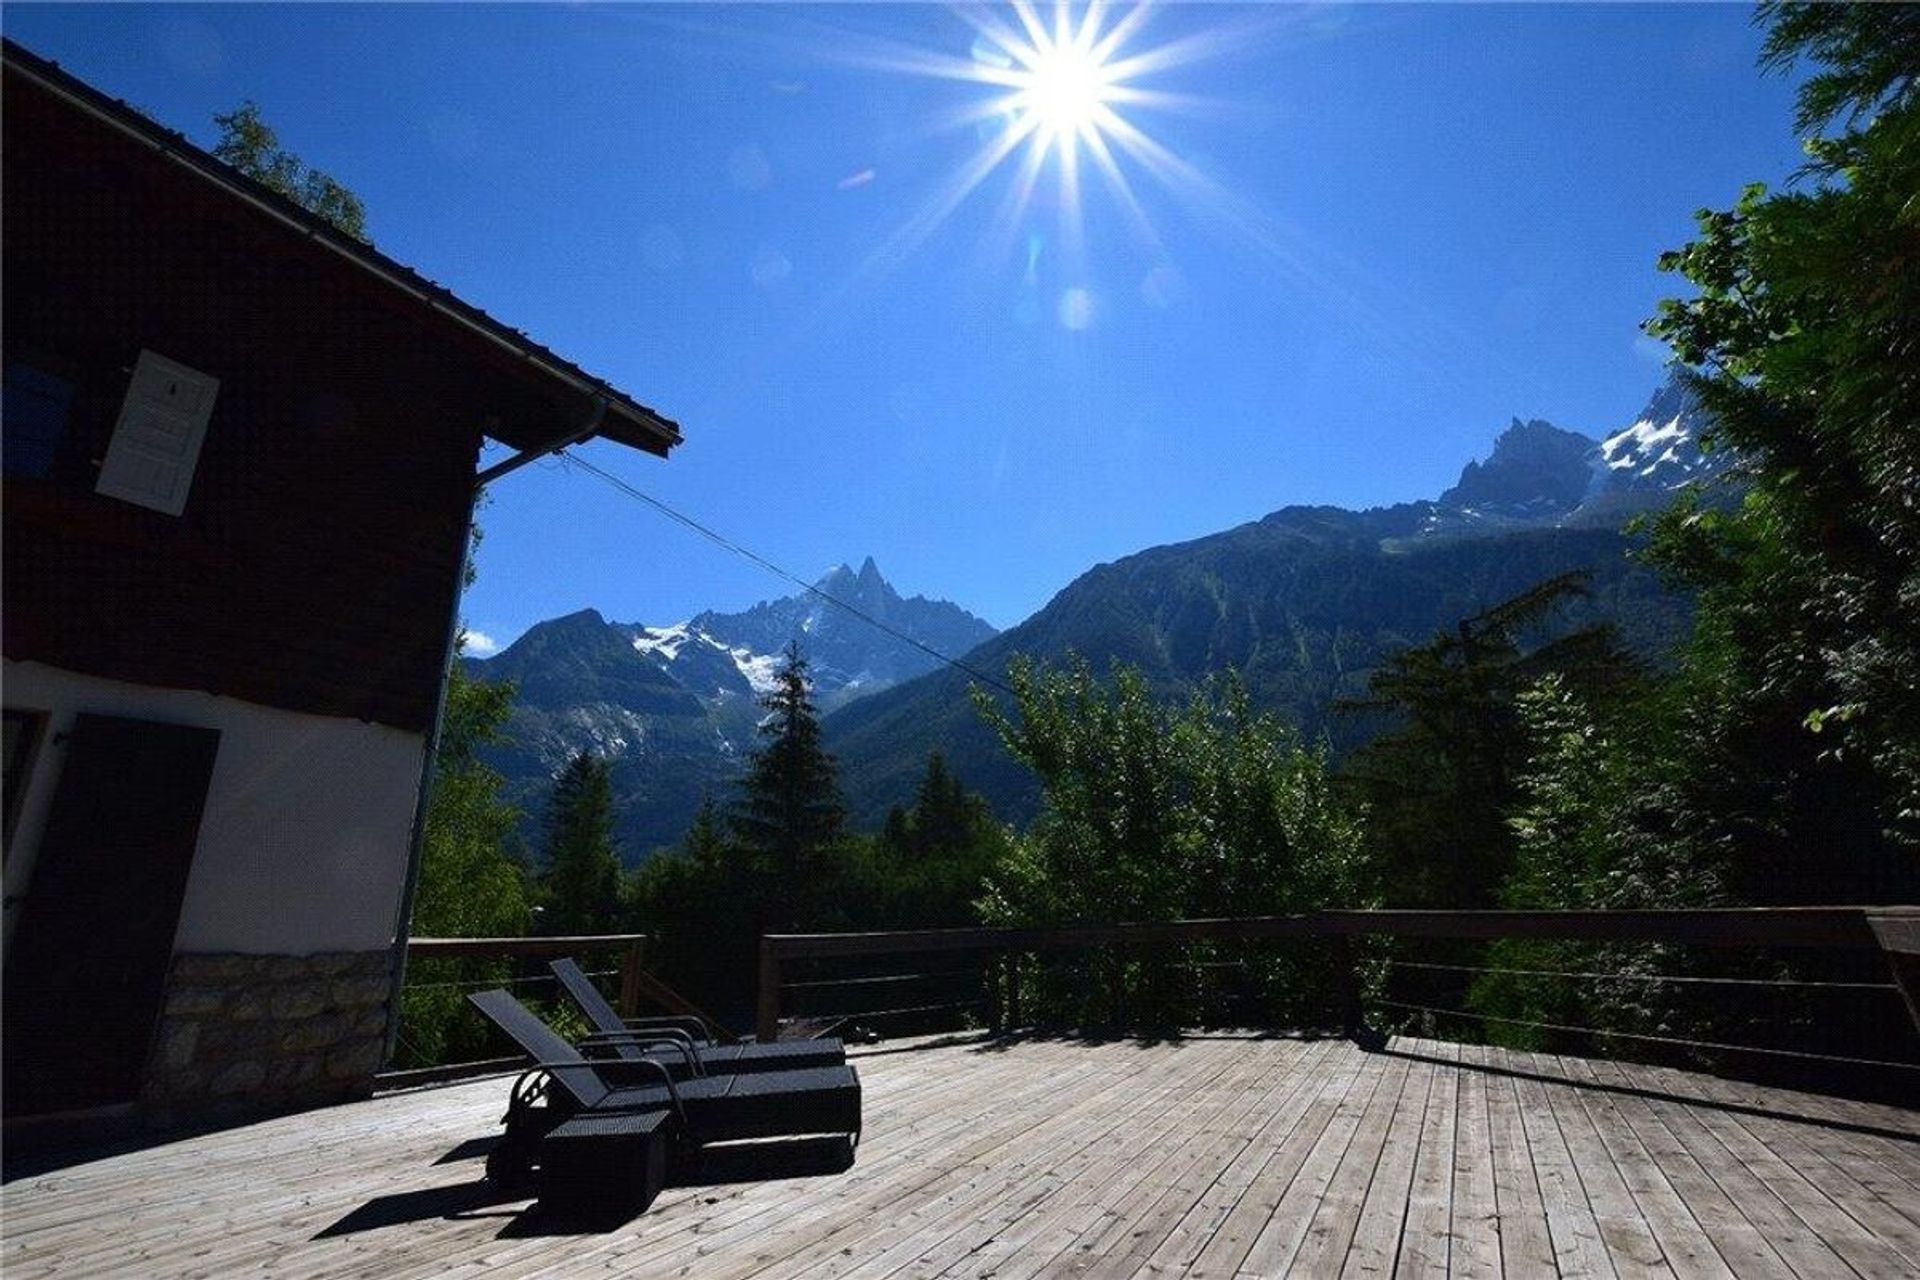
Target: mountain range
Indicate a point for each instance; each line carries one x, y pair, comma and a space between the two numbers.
674, 708
1309, 600
1305, 602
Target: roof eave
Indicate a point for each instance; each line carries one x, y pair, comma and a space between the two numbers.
628, 422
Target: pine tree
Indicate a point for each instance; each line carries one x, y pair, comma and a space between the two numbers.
581, 880
790, 815
946, 817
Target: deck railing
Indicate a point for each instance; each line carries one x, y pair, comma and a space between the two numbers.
631, 946
627, 951
1884, 939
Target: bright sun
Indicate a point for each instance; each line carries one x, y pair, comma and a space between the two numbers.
1066, 88
1065, 84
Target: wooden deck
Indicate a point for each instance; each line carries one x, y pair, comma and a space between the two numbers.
1214, 1156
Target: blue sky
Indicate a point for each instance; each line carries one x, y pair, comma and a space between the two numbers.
1384, 232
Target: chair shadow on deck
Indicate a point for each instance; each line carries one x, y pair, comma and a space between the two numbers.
717, 1166
1690, 1099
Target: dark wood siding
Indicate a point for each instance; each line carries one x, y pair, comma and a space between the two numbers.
314, 566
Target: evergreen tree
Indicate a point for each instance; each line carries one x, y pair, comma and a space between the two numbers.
946, 817
580, 880
1439, 786
697, 904
789, 815
705, 844
931, 862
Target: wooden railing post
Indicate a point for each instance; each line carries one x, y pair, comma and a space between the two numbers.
993, 969
1346, 980
1013, 990
1898, 934
630, 969
767, 1023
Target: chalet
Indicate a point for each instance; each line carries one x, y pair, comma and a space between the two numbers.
240, 453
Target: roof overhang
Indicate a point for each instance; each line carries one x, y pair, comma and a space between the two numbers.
625, 421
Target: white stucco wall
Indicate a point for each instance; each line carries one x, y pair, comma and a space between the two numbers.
303, 843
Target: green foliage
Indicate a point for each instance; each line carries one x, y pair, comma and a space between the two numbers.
1304, 604
1780, 765
1438, 788
580, 875
470, 886
1600, 822
250, 145
1156, 812
932, 860
1806, 321
789, 816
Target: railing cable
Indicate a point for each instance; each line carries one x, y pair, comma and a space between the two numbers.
1650, 1039
721, 540
1649, 977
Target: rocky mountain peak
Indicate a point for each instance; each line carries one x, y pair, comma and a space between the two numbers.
1534, 466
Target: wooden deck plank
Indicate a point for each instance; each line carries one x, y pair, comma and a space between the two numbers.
1474, 1217
1425, 1245
1211, 1157
1251, 1215
1059, 1241
1526, 1241
1330, 1229
1790, 1237
1278, 1243
997, 1198
1631, 1247
1687, 1247
1383, 1214
967, 1132
1739, 1243
1178, 1253
1815, 1205
1170, 1195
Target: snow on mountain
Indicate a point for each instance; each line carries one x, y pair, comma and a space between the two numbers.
1541, 475
849, 657
1660, 449
674, 708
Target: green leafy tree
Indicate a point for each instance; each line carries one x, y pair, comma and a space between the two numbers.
250, 145
1155, 811
470, 884
1601, 821
789, 816
1805, 326
580, 877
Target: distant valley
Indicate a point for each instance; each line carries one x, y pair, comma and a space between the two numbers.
1306, 602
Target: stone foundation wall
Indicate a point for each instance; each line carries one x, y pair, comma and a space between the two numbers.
243, 1033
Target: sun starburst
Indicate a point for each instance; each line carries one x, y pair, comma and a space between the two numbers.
1067, 90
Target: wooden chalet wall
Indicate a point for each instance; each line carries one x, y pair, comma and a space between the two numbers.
314, 566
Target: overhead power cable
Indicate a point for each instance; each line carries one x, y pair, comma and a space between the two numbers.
721, 540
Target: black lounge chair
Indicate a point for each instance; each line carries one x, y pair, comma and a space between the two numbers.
643, 1038
601, 1132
